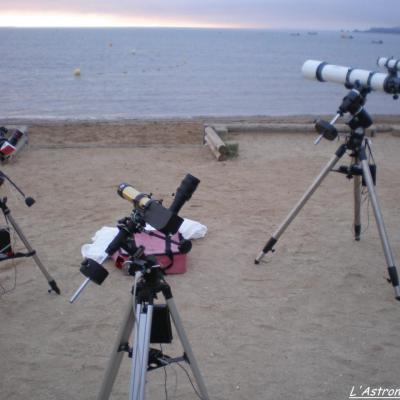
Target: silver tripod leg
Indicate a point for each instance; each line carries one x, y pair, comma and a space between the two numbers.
381, 226
140, 352
51, 281
292, 215
357, 207
188, 350
114, 363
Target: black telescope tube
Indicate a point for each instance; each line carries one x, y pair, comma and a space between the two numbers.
184, 192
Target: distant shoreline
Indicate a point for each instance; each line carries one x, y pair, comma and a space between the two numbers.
395, 30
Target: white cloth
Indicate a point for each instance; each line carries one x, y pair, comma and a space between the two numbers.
101, 239
192, 229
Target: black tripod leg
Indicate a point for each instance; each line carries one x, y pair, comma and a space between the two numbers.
292, 215
394, 279
51, 281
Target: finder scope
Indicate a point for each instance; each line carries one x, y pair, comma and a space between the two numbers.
129, 193
324, 72
389, 63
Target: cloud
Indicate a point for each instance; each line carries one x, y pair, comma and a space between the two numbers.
246, 13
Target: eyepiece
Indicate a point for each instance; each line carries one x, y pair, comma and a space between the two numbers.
184, 192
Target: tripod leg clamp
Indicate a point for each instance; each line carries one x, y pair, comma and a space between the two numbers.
393, 277
394, 280
269, 246
54, 287
357, 232
341, 151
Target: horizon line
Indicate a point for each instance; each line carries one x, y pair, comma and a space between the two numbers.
312, 29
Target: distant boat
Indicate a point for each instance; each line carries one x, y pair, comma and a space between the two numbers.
377, 41
345, 35
295, 34
312, 33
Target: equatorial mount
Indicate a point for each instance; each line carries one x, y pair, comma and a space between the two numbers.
353, 103
125, 239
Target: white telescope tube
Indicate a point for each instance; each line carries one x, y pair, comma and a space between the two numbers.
324, 72
390, 63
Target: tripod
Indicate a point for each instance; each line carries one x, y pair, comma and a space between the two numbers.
360, 169
31, 252
149, 284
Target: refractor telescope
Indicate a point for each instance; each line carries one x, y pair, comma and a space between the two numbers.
151, 210
165, 220
350, 77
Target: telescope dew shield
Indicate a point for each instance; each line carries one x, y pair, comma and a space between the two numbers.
129, 193
184, 192
152, 211
324, 72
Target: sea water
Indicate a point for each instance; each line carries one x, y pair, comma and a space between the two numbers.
164, 73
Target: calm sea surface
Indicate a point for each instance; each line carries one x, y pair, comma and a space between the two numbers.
132, 73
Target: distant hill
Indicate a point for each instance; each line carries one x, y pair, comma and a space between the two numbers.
381, 30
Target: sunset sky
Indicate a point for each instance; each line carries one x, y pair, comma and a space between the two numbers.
300, 14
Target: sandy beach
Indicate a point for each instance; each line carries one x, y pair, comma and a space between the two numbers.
314, 321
